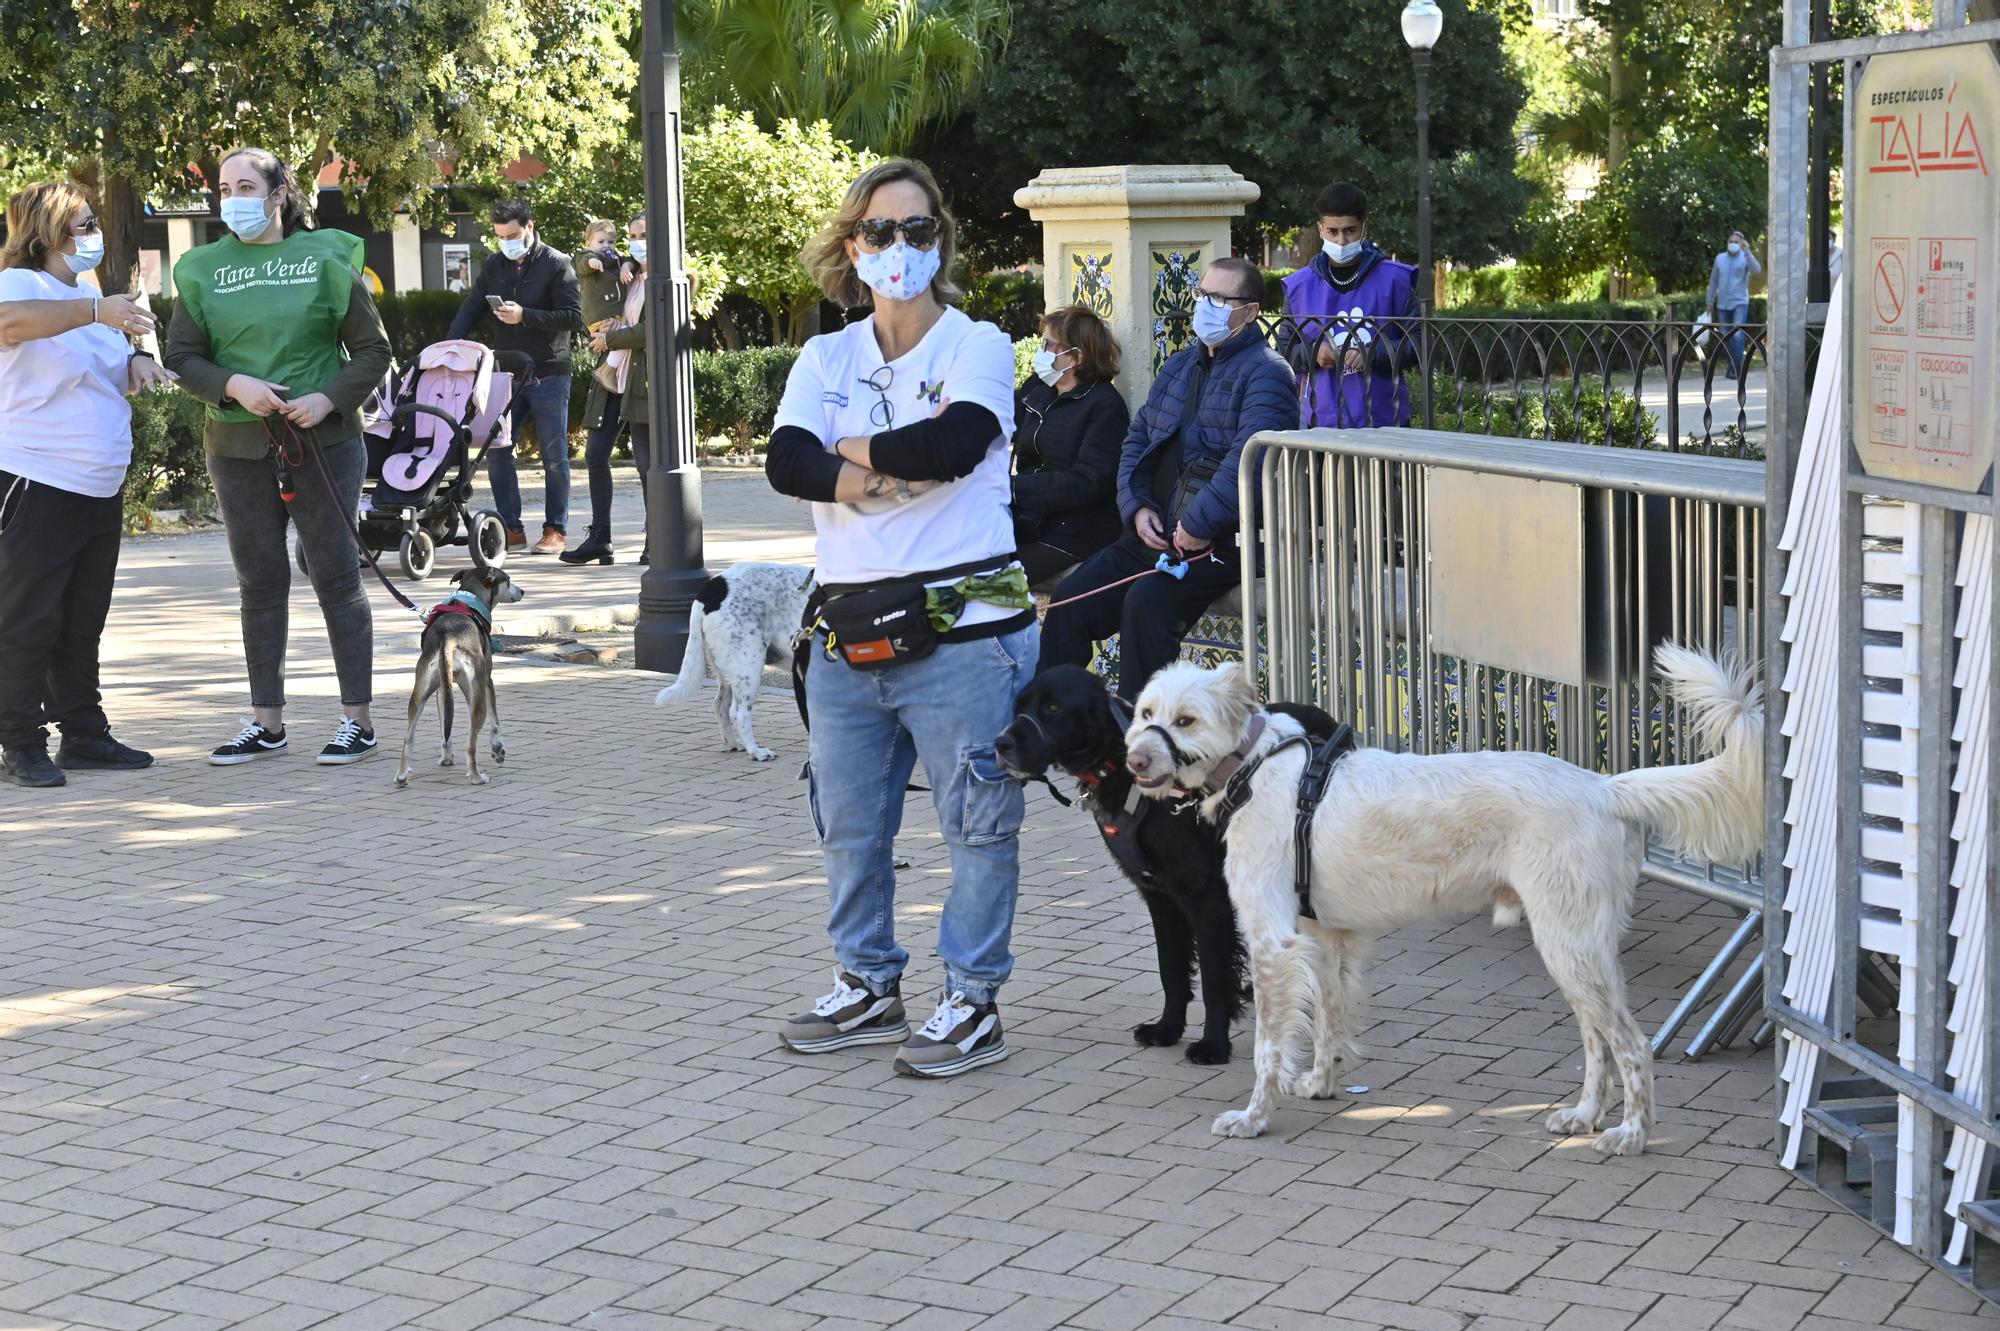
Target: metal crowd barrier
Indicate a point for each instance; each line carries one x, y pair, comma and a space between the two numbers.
1390, 555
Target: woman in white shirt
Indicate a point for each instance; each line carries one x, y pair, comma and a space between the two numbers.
897, 428
65, 440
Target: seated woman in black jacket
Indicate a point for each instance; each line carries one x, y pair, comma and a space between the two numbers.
1069, 423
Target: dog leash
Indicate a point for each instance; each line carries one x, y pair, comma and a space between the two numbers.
1173, 568
286, 461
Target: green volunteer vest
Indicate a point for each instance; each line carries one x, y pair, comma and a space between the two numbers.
272, 311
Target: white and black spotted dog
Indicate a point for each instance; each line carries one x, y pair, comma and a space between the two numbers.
1399, 838
741, 620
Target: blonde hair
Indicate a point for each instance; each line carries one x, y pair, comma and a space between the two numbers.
38, 220
597, 224
825, 255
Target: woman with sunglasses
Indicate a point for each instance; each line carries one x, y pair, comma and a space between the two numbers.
1069, 425
896, 428
66, 368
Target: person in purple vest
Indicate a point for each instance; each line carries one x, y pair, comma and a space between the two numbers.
1345, 334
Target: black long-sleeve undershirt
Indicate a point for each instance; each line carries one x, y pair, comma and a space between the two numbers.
943, 447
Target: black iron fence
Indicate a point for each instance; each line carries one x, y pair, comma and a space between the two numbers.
1671, 384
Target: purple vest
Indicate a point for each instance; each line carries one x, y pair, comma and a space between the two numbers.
1342, 399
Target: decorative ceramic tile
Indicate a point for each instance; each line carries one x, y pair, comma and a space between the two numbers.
1176, 275
1090, 279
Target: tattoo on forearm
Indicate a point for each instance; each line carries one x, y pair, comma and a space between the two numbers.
875, 485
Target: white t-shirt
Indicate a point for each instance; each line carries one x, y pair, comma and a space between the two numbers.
64, 420
829, 396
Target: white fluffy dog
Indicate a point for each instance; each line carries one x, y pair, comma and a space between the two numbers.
1400, 838
741, 619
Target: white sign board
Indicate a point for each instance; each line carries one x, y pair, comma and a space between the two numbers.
1923, 213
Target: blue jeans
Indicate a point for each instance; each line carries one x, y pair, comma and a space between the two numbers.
1734, 316
869, 727
547, 401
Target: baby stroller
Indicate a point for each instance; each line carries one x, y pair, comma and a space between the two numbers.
427, 433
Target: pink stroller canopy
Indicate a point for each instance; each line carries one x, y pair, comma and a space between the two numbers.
458, 379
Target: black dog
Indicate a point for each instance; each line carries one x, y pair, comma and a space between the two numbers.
1066, 719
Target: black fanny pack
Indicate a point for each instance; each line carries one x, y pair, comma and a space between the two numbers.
874, 625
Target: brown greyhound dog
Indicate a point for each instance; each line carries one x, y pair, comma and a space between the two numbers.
457, 645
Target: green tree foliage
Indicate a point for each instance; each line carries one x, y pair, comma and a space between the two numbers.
755, 197
408, 94
1291, 95
1673, 202
876, 71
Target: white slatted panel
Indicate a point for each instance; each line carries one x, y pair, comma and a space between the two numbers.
1909, 660
1811, 725
1970, 1002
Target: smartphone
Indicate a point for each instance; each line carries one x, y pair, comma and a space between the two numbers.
495, 301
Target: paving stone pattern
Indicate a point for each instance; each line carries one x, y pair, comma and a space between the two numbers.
285, 1048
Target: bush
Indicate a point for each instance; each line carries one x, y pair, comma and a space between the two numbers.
415, 319
167, 470
1577, 415
736, 393
1011, 300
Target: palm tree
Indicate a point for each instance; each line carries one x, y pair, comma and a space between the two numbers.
1581, 126
877, 71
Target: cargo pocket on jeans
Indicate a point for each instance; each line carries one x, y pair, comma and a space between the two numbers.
811, 778
994, 804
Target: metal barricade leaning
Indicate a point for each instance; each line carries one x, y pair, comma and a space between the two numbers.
1449, 592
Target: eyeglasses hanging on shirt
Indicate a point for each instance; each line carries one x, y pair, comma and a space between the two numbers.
883, 414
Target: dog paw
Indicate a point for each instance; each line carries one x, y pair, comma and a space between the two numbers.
762, 755
1625, 1139
1237, 1123
1209, 1053
402, 779
1157, 1034
480, 778
445, 760
499, 753
1573, 1121
1315, 1084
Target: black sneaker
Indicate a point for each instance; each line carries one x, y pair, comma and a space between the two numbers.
31, 767
83, 753
350, 744
848, 1016
959, 1037
253, 743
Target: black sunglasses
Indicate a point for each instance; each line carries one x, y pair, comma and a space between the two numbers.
878, 233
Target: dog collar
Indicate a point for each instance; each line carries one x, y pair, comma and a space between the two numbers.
1219, 776
1104, 771
472, 600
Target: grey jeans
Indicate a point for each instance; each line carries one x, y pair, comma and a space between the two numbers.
254, 516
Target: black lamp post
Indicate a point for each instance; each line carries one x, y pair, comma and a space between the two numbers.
673, 484
1423, 21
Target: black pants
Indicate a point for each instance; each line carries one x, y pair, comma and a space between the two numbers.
58, 560
1044, 561
1149, 616
597, 462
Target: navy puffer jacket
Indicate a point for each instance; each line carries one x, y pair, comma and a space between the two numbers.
1223, 398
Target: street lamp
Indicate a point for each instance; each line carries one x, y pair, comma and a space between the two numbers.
1423, 21
674, 572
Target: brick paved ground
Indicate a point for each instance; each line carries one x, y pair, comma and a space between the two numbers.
285, 1048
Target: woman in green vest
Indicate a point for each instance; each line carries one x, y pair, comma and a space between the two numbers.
275, 330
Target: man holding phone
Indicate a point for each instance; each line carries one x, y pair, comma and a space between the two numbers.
529, 293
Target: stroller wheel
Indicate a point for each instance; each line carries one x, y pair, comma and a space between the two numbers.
419, 552
487, 538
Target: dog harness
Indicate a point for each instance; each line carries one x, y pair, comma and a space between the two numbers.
467, 604
1233, 784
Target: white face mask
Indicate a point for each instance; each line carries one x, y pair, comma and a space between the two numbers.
89, 253
514, 246
246, 217
901, 272
638, 249
1045, 366
1736, 247
1342, 254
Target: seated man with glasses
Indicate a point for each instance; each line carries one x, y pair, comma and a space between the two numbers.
1177, 487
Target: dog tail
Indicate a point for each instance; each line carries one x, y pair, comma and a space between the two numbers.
694, 662
1712, 809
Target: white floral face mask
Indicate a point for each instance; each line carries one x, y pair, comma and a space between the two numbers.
899, 272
